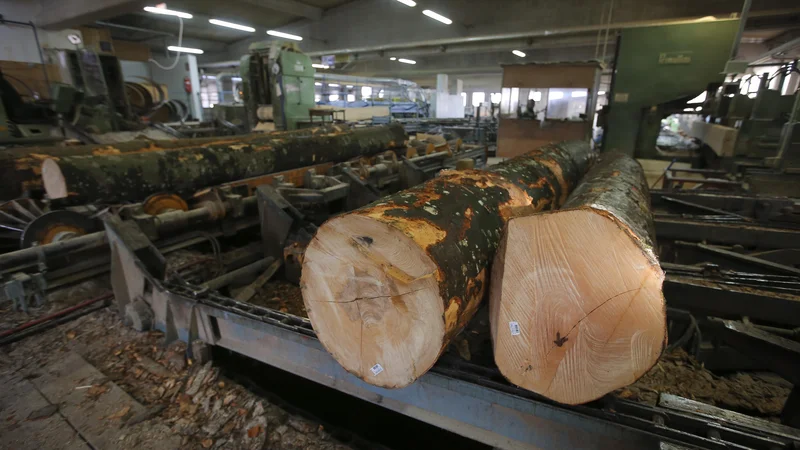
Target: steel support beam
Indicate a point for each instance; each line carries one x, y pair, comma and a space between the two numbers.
747, 235
292, 7
60, 14
731, 301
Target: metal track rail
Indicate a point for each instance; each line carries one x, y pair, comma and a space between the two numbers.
469, 400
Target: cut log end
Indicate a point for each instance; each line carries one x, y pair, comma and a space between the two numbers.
372, 296
53, 179
576, 304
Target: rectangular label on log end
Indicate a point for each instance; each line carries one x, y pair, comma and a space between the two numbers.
376, 369
514, 326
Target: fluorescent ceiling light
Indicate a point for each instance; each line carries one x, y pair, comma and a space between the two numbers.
167, 12
688, 109
284, 35
236, 26
320, 66
555, 95
518, 53
601, 93
410, 3
437, 16
393, 58
333, 85
174, 48
317, 84
407, 61
349, 86
578, 94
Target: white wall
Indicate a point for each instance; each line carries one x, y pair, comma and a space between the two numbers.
133, 69
173, 79
17, 43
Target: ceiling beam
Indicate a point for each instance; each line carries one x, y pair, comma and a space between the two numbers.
292, 7
60, 14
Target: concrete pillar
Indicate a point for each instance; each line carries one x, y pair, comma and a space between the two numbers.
442, 84
459, 87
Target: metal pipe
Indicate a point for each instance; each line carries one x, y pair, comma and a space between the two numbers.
242, 272
131, 28
41, 58
168, 222
92, 240
38, 48
63, 312
742, 22
516, 35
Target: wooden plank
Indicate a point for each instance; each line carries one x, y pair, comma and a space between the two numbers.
720, 138
576, 75
518, 136
131, 51
24, 75
29, 422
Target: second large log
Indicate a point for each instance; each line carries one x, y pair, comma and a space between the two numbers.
387, 287
576, 307
133, 176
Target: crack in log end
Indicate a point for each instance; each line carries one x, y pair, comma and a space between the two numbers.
399, 303
559, 340
366, 240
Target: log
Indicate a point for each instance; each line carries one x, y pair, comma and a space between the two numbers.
21, 171
132, 177
388, 286
576, 306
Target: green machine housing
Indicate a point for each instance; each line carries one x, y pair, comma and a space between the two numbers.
658, 69
279, 75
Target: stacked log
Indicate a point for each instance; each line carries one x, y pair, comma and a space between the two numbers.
388, 286
21, 167
576, 306
131, 177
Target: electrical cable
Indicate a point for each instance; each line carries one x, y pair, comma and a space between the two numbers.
178, 56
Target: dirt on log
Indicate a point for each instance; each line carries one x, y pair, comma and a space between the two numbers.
576, 307
388, 286
131, 177
21, 168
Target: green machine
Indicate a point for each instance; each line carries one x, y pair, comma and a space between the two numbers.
278, 85
658, 69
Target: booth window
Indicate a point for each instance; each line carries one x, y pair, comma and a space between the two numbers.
544, 104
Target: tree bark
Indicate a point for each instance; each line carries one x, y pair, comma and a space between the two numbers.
21, 167
388, 286
576, 306
132, 177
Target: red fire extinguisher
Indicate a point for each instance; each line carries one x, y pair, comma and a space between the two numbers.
187, 85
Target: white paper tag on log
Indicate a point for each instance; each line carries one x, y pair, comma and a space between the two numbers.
376, 369
514, 326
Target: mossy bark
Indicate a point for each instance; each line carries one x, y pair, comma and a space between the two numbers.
21, 167
458, 218
131, 177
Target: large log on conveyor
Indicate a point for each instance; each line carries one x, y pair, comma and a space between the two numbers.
132, 177
388, 286
21, 172
576, 306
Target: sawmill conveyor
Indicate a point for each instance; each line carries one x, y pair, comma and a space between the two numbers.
470, 400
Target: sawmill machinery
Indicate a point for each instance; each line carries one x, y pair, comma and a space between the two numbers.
658, 71
278, 85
